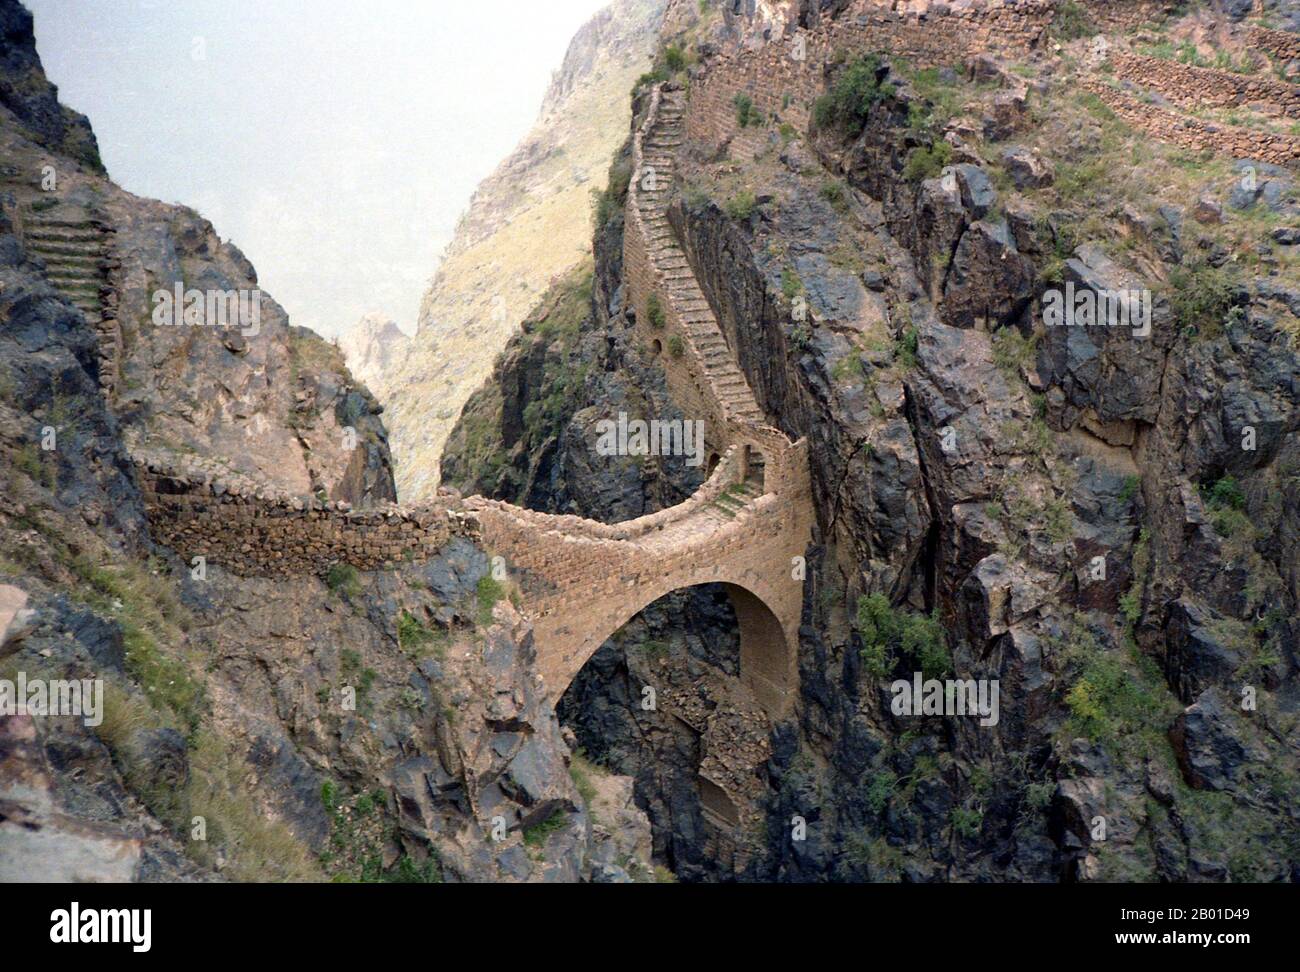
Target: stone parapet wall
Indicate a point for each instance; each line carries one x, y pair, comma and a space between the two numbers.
1197, 87
1170, 126
267, 535
726, 474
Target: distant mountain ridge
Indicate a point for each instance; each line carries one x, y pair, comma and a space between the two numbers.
527, 224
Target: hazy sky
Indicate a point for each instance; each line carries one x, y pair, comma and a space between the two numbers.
334, 141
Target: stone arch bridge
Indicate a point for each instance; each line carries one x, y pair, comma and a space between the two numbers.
579, 580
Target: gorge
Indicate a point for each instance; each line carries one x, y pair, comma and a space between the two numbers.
830, 235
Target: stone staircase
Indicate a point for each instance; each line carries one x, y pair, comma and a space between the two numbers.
659, 147
76, 247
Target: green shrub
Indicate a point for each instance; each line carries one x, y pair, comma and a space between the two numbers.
537, 834
608, 202
926, 163
905, 348
887, 633
654, 311
674, 58
741, 205
489, 591
1201, 297
1227, 493
967, 822
676, 346
1227, 503
746, 114
791, 285
849, 102
343, 579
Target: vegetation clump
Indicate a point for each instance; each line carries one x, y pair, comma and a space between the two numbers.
746, 114
928, 162
888, 634
855, 92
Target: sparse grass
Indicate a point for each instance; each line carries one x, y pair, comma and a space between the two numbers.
582, 771
417, 639
489, 592
833, 192
343, 579
1201, 297
142, 600
1072, 22
850, 368
359, 835
539, 833
1013, 353
791, 285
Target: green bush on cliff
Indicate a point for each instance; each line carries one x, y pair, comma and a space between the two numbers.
741, 205
887, 634
926, 163
746, 114
1201, 297
654, 311
852, 96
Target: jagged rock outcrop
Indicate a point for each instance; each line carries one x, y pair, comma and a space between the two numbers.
372, 347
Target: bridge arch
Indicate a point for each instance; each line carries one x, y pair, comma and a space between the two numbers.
767, 650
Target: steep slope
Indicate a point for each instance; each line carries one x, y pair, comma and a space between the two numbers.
882, 204
378, 725
528, 223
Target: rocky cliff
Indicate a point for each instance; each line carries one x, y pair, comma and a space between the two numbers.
372, 347
884, 204
273, 724
527, 224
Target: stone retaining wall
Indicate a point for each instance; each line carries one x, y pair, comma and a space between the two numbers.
1170, 126
784, 77
1197, 87
1278, 43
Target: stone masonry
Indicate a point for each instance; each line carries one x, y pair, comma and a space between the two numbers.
1198, 87
579, 580
784, 77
